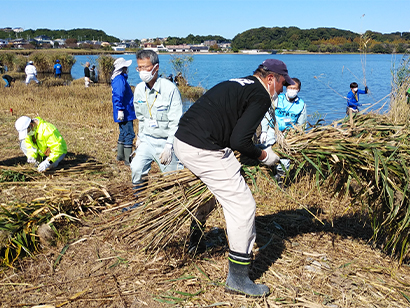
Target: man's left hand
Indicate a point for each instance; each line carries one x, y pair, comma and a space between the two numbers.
166, 155
43, 166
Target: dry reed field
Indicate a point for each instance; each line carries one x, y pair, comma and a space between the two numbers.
73, 246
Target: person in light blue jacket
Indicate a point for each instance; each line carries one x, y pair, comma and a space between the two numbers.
123, 109
289, 110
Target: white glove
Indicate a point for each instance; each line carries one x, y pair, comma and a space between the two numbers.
31, 160
120, 116
271, 157
43, 166
263, 137
166, 155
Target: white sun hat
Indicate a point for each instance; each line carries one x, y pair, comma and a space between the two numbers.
121, 62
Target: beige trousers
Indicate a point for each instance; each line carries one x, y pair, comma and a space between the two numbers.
220, 172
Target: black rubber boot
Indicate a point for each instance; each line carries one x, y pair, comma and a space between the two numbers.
238, 277
120, 151
196, 243
127, 154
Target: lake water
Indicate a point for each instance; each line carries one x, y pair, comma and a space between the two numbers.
325, 78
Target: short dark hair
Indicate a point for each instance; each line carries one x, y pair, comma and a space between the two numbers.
261, 72
353, 85
298, 82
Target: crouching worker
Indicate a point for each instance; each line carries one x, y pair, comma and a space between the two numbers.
225, 119
41, 142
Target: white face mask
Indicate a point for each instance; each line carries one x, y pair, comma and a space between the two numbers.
147, 76
355, 89
274, 97
291, 93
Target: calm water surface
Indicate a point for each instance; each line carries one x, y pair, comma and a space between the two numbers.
325, 78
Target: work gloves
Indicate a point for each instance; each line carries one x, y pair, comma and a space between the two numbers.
43, 166
31, 160
263, 137
166, 155
366, 89
120, 116
271, 157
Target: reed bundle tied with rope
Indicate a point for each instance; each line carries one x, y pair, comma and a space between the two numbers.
369, 162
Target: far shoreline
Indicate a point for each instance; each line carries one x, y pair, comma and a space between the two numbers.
76, 52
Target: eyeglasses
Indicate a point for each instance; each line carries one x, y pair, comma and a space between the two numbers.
144, 68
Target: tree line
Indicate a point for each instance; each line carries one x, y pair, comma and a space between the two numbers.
77, 34
263, 38
321, 40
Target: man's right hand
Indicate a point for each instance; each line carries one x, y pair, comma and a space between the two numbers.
120, 116
271, 158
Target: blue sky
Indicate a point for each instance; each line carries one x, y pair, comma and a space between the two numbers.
137, 19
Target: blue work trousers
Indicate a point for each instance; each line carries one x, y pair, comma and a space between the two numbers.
127, 134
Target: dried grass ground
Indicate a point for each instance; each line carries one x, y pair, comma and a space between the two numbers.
304, 262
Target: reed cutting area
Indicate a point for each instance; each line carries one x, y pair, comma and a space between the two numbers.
336, 234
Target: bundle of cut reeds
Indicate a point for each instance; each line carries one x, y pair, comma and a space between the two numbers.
370, 162
19, 222
168, 202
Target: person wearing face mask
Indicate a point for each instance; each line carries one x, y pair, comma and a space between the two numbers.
287, 111
41, 142
353, 98
158, 108
123, 109
222, 121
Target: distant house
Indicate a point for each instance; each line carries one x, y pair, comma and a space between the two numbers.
224, 45
18, 30
7, 29
42, 38
179, 48
60, 41
202, 49
105, 44
209, 43
119, 47
19, 43
156, 48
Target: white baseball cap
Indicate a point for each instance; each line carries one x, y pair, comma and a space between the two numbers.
21, 125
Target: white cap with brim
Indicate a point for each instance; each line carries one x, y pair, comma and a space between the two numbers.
120, 63
21, 125
30, 62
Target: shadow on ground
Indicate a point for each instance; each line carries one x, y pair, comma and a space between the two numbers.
273, 231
